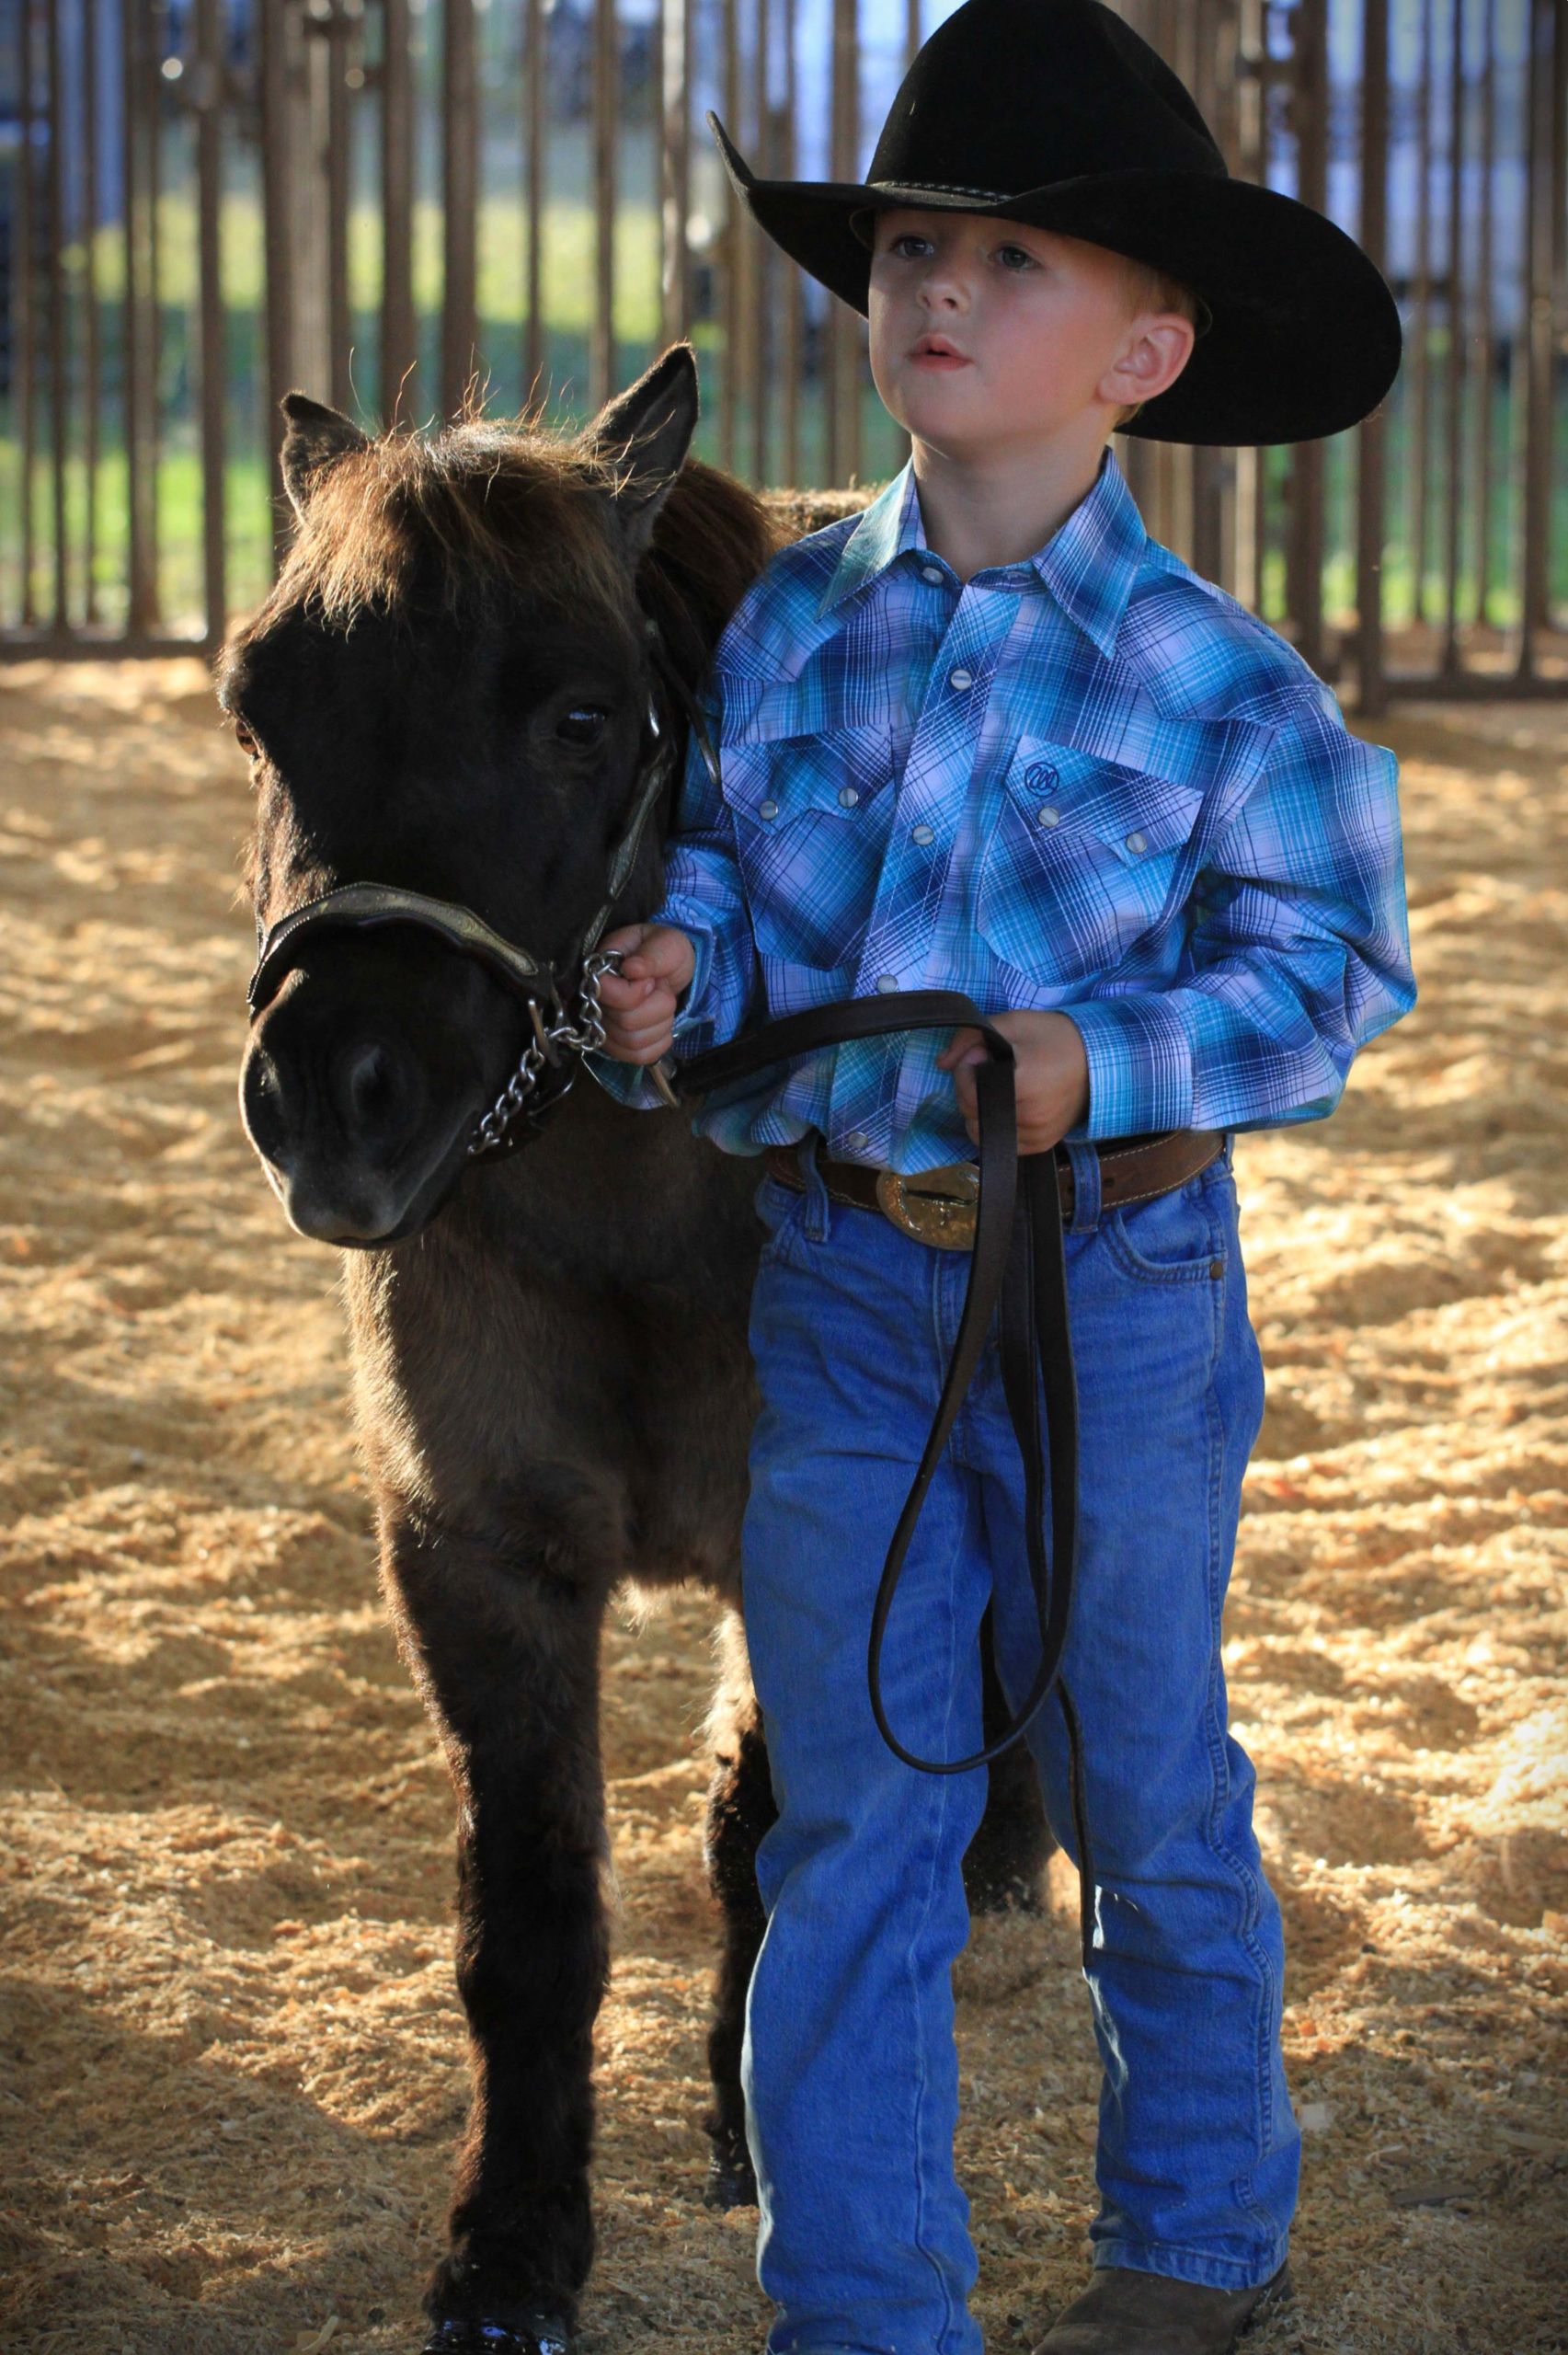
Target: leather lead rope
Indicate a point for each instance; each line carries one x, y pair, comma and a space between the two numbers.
1018, 1266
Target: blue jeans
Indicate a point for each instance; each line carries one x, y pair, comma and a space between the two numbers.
851, 2073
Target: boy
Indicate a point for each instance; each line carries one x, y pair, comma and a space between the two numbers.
988, 737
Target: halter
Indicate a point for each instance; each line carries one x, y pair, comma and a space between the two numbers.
544, 988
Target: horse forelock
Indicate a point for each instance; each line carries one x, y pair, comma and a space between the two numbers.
453, 521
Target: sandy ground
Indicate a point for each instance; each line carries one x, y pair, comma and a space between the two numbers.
231, 2064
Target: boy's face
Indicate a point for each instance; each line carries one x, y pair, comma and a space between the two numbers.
989, 334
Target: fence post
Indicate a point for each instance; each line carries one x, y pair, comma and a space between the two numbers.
207, 96
139, 353
460, 170
1304, 554
399, 347
1538, 244
1370, 485
277, 195
675, 167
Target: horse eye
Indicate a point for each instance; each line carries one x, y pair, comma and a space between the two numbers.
584, 724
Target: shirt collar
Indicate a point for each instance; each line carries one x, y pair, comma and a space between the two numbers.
1088, 565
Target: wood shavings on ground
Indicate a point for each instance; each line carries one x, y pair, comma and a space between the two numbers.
231, 2059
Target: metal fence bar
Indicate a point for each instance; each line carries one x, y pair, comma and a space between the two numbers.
399, 342
534, 75
1453, 502
138, 354
602, 369
1485, 347
59, 391
207, 96
675, 167
336, 35
1419, 466
793, 284
1371, 505
277, 188
460, 191
92, 355
22, 333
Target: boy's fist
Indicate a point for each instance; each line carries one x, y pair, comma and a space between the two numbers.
656, 962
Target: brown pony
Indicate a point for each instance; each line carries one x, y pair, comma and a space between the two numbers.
447, 693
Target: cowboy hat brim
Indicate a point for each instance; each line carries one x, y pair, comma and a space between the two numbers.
1305, 335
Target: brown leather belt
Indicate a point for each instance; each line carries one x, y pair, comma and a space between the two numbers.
938, 1206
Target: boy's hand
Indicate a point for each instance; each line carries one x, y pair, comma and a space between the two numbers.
1052, 1075
639, 1001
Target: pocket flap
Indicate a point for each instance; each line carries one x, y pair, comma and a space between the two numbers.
839, 773
1133, 814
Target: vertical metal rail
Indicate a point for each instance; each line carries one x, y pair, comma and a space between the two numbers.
1304, 550
734, 230
794, 344
842, 389
399, 340
674, 167
1486, 340
59, 385
136, 355
207, 95
1371, 492
601, 371
338, 33
1455, 355
761, 254
151, 100
92, 356
1208, 466
1416, 459
536, 69
1538, 252
22, 273
277, 197
459, 180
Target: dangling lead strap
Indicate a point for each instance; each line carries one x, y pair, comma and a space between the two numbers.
1018, 1266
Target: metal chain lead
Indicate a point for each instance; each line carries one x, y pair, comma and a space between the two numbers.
582, 1037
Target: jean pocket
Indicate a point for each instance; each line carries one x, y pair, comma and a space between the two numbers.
781, 1210
1175, 1238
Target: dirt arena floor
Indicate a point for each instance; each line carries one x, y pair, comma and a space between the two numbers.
231, 2065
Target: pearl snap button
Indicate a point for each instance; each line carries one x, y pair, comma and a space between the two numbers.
930, 572
767, 808
1137, 842
886, 982
857, 1140
960, 679
848, 797
1047, 816
921, 834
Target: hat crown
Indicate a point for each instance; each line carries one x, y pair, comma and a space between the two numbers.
1010, 95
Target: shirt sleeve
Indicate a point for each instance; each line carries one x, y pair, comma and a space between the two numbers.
704, 894
1297, 952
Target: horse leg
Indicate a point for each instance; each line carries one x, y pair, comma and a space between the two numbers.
504, 1647
740, 1810
1005, 1860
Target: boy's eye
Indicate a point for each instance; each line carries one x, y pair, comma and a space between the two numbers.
584, 724
1014, 258
910, 246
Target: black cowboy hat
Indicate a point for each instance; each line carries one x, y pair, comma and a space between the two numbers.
1055, 113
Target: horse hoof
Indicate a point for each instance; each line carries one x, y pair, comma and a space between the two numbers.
533, 2333
732, 2182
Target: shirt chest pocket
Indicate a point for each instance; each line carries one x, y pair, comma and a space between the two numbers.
1078, 860
812, 816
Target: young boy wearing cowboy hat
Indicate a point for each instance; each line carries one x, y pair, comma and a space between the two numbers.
987, 736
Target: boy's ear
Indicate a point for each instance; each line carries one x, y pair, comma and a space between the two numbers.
643, 436
1151, 363
316, 439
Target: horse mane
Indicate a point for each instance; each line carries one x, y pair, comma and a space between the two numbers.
481, 510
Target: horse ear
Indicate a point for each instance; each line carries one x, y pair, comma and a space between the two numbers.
644, 435
317, 437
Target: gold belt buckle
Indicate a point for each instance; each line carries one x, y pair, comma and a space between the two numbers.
936, 1206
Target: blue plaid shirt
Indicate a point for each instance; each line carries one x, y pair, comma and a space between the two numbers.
1090, 781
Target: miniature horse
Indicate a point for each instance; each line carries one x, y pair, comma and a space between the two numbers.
448, 692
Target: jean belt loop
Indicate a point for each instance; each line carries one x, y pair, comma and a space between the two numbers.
818, 1220
1085, 1161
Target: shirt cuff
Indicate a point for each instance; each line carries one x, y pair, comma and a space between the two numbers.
1140, 1065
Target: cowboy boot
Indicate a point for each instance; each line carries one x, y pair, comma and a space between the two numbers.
1125, 2313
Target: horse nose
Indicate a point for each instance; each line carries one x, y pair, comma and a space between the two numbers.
371, 1093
